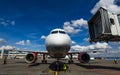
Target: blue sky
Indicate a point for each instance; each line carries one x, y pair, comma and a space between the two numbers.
25, 23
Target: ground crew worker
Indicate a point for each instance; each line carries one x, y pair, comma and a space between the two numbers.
5, 60
64, 67
115, 61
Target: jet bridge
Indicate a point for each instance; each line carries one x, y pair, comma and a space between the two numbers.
104, 26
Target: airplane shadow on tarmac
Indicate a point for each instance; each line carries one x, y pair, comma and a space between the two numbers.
34, 64
89, 66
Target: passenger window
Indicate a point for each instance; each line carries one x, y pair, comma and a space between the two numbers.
54, 32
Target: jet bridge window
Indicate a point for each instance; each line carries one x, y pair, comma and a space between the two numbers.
62, 32
119, 18
54, 32
112, 21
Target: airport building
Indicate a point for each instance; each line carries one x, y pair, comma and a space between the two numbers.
11, 54
3, 53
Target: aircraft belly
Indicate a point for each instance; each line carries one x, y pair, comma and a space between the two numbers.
58, 52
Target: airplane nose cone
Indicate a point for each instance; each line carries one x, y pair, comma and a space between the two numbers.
58, 40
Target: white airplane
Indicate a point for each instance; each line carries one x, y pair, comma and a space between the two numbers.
58, 44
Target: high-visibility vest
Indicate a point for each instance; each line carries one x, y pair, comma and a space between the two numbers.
64, 67
5, 59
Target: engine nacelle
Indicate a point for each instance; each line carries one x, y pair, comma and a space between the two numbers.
83, 57
31, 57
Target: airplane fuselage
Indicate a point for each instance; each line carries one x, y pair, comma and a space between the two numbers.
58, 43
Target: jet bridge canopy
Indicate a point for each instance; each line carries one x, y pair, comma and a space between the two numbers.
104, 26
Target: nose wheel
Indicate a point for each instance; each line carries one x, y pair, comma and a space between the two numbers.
44, 61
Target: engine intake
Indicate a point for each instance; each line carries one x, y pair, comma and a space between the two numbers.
31, 57
83, 57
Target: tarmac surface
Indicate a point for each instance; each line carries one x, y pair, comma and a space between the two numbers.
96, 67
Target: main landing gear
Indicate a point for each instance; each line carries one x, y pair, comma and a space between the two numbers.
71, 59
44, 61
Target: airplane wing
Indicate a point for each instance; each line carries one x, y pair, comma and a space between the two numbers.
73, 52
39, 52
88, 51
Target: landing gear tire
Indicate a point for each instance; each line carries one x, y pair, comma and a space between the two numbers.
44, 61
70, 61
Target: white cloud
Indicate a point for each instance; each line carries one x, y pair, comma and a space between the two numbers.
110, 5
5, 22
43, 37
21, 42
2, 41
102, 45
73, 42
7, 47
90, 47
74, 26
28, 42
79, 22
80, 48
13, 23
70, 29
86, 39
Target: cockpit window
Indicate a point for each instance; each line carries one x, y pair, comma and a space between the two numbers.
54, 32
62, 32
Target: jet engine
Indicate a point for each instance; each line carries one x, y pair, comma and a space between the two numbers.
31, 57
83, 57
